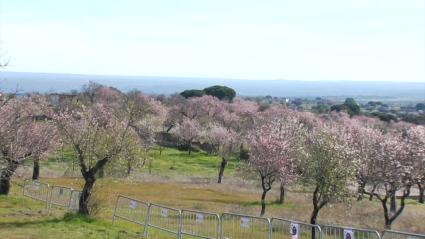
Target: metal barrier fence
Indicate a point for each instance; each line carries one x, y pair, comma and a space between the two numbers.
287, 229
164, 218
200, 224
131, 210
60, 196
390, 234
74, 200
237, 226
337, 232
36, 190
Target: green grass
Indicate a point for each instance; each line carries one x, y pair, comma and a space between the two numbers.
170, 162
173, 161
26, 218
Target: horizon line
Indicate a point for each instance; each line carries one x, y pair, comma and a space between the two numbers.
209, 78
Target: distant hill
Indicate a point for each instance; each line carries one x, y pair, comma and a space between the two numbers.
384, 91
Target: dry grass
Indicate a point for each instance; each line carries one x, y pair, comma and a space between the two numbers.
244, 199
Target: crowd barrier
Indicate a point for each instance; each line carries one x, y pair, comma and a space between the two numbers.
390, 234
37, 191
59, 196
239, 226
299, 230
75, 200
207, 225
200, 224
332, 232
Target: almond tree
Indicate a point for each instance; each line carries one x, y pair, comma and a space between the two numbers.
96, 133
229, 144
21, 137
188, 131
46, 131
148, 117
272, 150
392, 171
326, 166
415, 137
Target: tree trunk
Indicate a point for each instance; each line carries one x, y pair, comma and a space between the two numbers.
393, 203
360, 191
190, 147
317, 205
386, 214
36, 170
391, 217
5, 177
263, 202
128, 168
282, 194
371, 193
313, 221
101, 172
421, 198
85, 196
222, 167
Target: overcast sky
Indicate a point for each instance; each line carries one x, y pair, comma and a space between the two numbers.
366, 40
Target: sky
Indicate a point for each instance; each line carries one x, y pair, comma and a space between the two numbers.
360, 40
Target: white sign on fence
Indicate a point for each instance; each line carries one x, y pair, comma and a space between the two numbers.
245, 222
348, 234
294, 230
132, 204
199, 218
164, 212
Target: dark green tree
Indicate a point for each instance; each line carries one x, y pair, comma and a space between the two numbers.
192, 93
352, 106
420, 106
221, 92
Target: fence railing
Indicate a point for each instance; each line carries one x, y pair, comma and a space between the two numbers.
199, 224
75, 200
36, 190
166, 219
391, 234
60, 196
131, 210
287, 229
237, 226
207, 225
339, 232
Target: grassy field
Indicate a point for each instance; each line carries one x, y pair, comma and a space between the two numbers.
171, 163
169, 185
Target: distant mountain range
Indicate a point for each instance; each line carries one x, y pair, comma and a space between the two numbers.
384, 91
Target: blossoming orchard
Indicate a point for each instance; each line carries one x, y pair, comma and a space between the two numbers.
335, 158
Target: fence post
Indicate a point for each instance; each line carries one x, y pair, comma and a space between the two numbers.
115, 210
148, 218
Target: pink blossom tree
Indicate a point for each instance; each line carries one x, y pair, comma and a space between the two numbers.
188, 131
392, 170
326, 166
415, 137
48, 140
148, 117
21, 136
96, 133
272, 151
